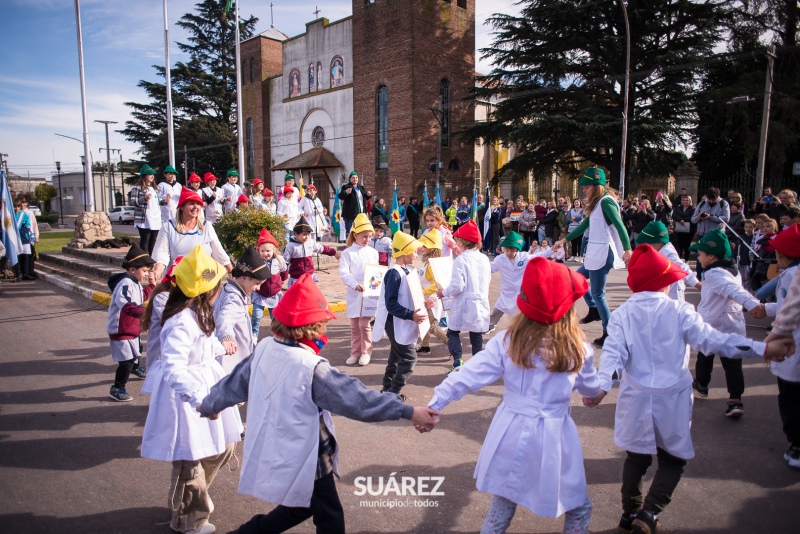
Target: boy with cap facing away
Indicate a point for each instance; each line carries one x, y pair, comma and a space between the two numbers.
511, 266
381, 242
231, 191
234, 328
656, 235
291, 455
654, 403
722, 298
300, 249
124, 311
169, 191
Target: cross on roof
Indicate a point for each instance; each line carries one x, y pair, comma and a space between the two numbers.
316, 13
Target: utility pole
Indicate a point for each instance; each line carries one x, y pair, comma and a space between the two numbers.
167, 71
108, 164
87, 168
624, 152
60, 192
185, 166
762, 146
239, 128
4, 163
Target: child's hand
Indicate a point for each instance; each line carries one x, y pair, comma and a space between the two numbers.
230, 347
424, 418
698, 286
759, 312
338, 254
779, 348
439, 293
429, 303
213, 416
420, 316
359, 288
595, 401
789, 339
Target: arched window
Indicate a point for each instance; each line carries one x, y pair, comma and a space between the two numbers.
251, 149
477, 174
294, 83
382, 128
337, 72
312, 78
444, 107
319, 76
252, 71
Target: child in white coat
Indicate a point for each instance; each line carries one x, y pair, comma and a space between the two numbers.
355, 257
431, 248
511, 265
381, 242
654, 403
267, 296
151, 323
469, 289
656, 235
532, 453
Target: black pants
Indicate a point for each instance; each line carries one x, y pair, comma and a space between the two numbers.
402, 359
576, 246
25, 265
147, 240
124, 372
454, 343
734, 377
682, 243
325, 509
789, 407
32, 261
666, 479
413, 227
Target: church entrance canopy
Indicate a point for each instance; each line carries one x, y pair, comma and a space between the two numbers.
315, 162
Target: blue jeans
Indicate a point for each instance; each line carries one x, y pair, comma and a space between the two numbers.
596, 297
255, 320
454, 343
348, 223
541, 234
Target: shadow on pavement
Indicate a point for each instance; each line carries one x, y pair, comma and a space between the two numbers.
64, 454
125, 521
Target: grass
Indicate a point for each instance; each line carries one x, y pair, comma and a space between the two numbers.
55, 241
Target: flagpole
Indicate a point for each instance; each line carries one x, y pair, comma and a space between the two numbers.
87, 169
242, 164
170, 124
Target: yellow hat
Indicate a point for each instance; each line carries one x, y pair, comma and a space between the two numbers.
403, 245
198, 273
361, 224
432, 239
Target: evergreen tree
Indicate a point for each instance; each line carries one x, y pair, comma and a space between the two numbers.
559, 78
203, 94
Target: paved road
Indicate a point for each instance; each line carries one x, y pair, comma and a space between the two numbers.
69, 455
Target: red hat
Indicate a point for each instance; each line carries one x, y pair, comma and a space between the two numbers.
169, 276
303, 304
266, 237
787, 242
189, 195
549, 290
267, 192
288, 189
258, 181
194, 178
311, 187
649, 270
242, 200
469, 232
207, 177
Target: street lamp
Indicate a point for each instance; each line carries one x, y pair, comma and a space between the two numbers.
60, 192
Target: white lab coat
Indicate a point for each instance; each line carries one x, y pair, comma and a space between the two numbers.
174, 191
171, 244
469, 288
230, 194
213, 207
351, 271
405, 332
721, 300
532, 453
677, 289
789, 369
233, 321
316, 217
291, 211
601, 237
511, 272
153, 353
174, 430
654, 405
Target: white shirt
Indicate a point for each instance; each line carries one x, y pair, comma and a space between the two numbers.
351, 271
789, 369
721, 300
214, 207
171, 244
174, 191
231, 193
291, 211
676, 290
511, 272
469, 288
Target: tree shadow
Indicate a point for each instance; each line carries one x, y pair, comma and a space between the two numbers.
112, 412
67, 454
54, 395
149, 519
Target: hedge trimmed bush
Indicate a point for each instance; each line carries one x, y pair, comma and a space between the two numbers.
237, 230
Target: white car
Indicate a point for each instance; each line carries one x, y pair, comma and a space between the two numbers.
122, 214
35, 210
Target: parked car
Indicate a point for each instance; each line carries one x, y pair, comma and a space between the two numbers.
35, 210
122, 214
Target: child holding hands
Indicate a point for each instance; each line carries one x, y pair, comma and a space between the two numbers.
431, 248
511, 266
381, 242
269, 293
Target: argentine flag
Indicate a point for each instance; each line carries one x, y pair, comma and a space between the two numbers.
11, 238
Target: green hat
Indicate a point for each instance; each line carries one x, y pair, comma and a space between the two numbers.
170, 168
353, 173
146, 169
593, 176
288, 176
654, 232
513, 240
715, 243
232, 172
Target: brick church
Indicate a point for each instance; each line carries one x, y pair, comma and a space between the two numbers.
379, 92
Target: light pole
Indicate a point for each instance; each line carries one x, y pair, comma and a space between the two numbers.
624, 151
87, 171
108, 165
762, 145
60, 192
85, 191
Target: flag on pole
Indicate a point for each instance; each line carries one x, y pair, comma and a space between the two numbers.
487, 216
473, 212
394, 220
11, 239
300, 186
439, 198
425, 200
228, 6
336, 221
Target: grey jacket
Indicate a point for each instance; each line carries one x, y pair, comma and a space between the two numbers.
720, 213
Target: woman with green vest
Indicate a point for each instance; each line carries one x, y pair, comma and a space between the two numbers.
608, 246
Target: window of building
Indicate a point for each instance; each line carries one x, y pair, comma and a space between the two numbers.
477, 174
382, 128
312, 78
462, 4
294, 83
252, 71
444, 107
251, 149
318, 137
319, 75
337, 72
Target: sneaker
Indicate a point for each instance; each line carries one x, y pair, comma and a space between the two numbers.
792, 455
119, 394
364, 359
735, 410
571, 258
699, 391
205, 528
646, 522
490, 331
602, 339
140, 372
625, 525
352, 360
456, 366
423, 350
591, 317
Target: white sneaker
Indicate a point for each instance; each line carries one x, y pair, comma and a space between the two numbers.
205, 528
352, 360
364, 359
571, 258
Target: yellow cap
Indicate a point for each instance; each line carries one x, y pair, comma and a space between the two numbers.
198, 273
361, 224
403, 245
432, 239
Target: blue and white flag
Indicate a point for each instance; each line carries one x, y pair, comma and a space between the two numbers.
439, 198
425, 200
487, 216
11, 239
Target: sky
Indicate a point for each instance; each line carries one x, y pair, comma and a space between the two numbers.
122, 40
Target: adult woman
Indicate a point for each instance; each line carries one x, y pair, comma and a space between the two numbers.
550, 222
147, 215
574, 218
25, 228
628, 214
379, 211
492, 235
682, 215
608, 243
181, 236
641, 218
527, 225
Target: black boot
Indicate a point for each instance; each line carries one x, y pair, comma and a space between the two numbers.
602, 339
646, 522
591, 317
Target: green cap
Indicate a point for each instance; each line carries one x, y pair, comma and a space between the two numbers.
715, 243
353, 173
232, 172
513, 240
170, 168
288, 176
654, 232
593, 176
146, 169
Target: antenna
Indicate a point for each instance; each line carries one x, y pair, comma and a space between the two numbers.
271, 16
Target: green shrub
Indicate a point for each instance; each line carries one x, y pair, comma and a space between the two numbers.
238, 230
49, 219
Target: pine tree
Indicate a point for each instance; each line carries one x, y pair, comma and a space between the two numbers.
203, 94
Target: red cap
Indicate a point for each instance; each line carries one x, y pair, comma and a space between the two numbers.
207, 177
169, 276
303, 304
194, 178
787, 242
242, 200
266, 237
258, 181
469, 232
549, 290
288, 189
649, 270
311, 187
189, 195
267, 193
